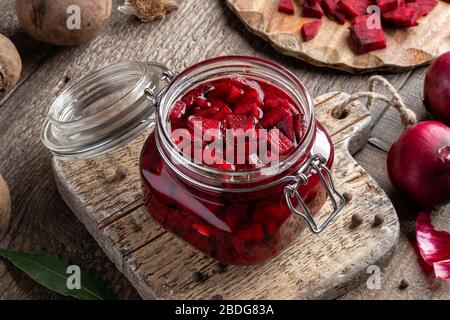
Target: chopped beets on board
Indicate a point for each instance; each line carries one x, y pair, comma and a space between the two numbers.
310, 30
286, 6
401, 17
354, 8
312, 9
387, 5
331, 8
366, 39
422, 7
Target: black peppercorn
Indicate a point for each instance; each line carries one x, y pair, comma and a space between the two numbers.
197, 276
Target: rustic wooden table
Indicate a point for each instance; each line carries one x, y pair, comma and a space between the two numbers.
199, 30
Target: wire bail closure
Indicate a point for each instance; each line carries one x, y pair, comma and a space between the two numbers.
153, 97
317, 164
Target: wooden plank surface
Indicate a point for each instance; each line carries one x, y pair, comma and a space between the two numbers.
339, 257
40, 219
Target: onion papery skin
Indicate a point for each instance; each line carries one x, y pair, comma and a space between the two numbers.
419, 163
434, 246
437, 89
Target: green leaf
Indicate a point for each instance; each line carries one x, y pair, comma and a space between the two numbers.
51, 272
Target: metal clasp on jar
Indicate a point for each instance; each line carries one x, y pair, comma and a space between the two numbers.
316, 164
153, 97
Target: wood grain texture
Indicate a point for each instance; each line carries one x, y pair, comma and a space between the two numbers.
160, 265
332, 47
40, 219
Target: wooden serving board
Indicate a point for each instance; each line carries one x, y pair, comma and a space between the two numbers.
160, 265
407, 48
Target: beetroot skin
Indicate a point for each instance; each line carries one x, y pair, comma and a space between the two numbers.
310, 30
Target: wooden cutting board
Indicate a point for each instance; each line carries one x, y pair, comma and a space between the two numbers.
407, 48
160, 265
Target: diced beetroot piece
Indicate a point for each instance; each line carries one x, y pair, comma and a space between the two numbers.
276, 102
235, 94
401, 17
286, 126
178, 111
202, 103
331, 8
312, 9
270, 216
202, 229
217, 103
250, 96
198, 123
200, 91
422, 7
235, 215
279, 142
286, 6
237, 122
272, 116
388, 5
250, 233
365, 39
353, 8
310, 30
299, 127
249, 109
226, 92
222, 114
209, 113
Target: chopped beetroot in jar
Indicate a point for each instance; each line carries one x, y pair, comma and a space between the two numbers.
222, 111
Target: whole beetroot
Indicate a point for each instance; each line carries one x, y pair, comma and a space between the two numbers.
5, 205
437, 89
52, 21
10, 65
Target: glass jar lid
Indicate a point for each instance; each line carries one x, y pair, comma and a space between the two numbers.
104, 110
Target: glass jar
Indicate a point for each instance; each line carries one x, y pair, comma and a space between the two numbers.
236, 217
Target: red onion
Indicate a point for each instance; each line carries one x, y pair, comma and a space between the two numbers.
419, 163
437, 89
434, 246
